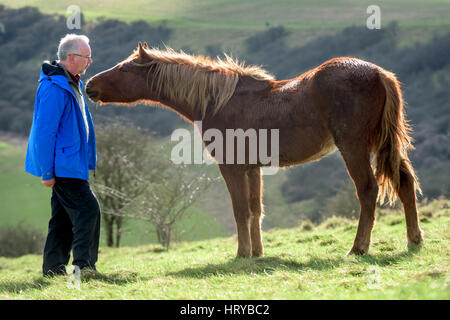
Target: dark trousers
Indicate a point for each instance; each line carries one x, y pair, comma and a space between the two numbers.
75, 224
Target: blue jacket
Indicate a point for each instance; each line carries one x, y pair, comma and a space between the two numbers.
57, 145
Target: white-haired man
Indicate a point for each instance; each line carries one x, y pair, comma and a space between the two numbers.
62, 150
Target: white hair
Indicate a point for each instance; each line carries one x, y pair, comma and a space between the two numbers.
70, 43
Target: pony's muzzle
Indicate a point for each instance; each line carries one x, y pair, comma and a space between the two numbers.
91, 93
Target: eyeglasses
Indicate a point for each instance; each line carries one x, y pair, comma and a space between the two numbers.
87, 57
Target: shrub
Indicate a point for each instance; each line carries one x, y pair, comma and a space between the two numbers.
335, 222
306, 225
343, 204
19, 240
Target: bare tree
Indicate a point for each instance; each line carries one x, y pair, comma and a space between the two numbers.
137, 180
167, 198
123, 152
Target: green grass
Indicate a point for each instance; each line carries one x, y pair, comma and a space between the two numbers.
297, 265
22, 197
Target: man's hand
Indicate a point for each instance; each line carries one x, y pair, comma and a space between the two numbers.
48, 183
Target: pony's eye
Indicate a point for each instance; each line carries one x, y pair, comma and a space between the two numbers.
121, 69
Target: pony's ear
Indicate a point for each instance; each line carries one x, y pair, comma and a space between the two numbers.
146, 45
140, 47
141, 50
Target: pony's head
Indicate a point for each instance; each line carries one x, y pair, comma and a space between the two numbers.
182, 81
126, 82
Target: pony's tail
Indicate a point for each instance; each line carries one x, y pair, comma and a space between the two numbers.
392, 143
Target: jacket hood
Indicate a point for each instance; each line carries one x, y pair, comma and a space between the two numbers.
52, 69
57, 74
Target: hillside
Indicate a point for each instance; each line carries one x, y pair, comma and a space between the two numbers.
298, 36
201, 23
248, 14
24, 200
299, 263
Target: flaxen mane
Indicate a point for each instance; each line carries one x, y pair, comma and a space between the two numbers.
197, 80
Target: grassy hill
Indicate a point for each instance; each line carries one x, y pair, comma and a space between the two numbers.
299, 263
23, 199
250, 14
228, 23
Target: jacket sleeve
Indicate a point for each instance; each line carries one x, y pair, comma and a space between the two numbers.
49, 112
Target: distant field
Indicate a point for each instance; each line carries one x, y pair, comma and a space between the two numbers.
22, 198
202, 22
252, 14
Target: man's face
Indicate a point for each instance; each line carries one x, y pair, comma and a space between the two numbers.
82, 58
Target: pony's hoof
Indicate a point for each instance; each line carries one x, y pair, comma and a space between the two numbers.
416, 240
244, 254
257, 254
415, 246
359, 251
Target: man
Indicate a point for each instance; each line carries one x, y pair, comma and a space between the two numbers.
61, 150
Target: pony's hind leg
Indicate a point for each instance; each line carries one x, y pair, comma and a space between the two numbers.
237, 183
407, 195
255, 185
358, 166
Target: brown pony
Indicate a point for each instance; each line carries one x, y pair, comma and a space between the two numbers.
345, 103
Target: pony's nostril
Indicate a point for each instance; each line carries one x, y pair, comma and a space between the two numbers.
91, 94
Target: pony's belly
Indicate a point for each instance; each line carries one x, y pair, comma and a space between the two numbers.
303, 156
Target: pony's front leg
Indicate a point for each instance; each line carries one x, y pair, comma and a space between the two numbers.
236, 179
256, 190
